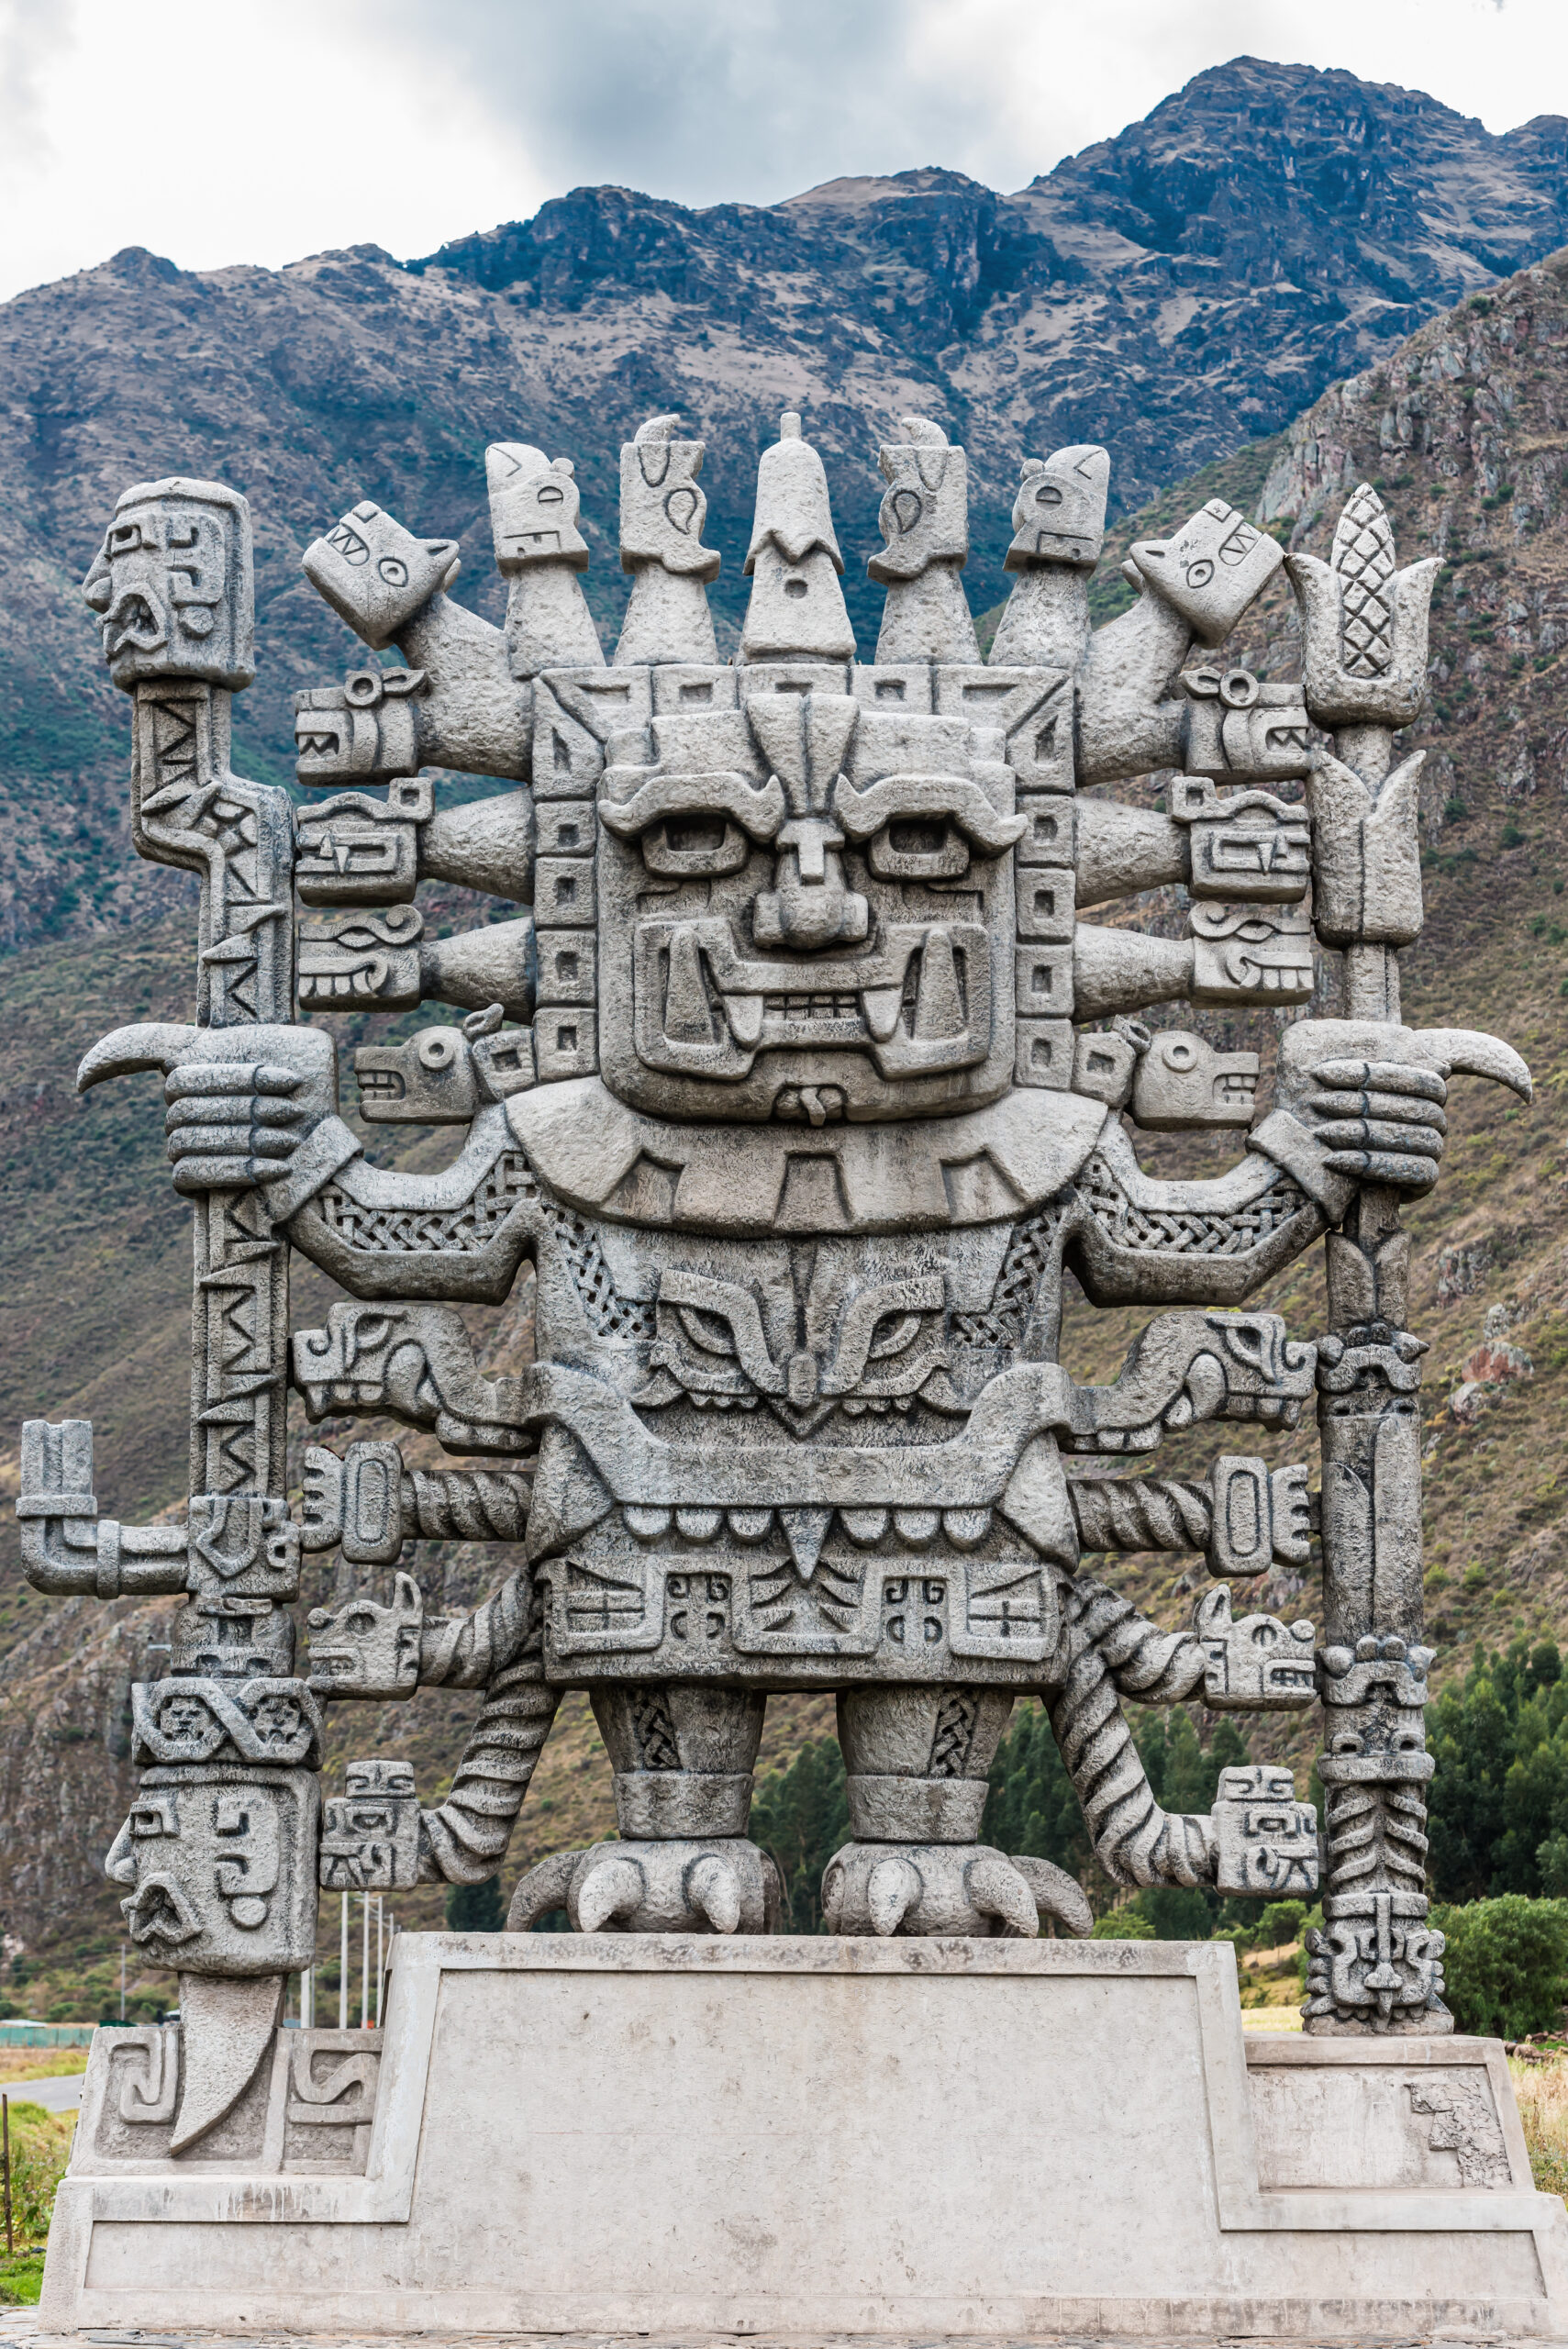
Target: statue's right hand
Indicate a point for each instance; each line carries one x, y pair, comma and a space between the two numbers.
233, 1121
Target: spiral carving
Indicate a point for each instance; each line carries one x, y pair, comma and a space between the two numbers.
1140, 1512
466, 1504
1107, 1645
501, 1649
468, 1650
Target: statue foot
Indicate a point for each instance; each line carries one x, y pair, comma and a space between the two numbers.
722, 1885
964, 1888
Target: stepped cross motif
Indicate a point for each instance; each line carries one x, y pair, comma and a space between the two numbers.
803, 1080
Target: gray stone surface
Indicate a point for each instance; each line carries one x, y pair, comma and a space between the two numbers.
801, 1083
704, 2135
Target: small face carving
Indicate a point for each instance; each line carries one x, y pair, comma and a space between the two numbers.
429, 1080
533, 508
367, 1650
170, 585
1059, 515
802, 898
1182, 1083
213, 1870
375, 575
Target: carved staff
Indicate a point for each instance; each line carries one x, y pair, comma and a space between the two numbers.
219, 1852
1376, 1966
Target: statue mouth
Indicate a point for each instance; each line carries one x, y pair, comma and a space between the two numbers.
918, 1004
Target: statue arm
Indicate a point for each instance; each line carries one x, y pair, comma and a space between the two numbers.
1136, 1240
1338, 1122
459, 1235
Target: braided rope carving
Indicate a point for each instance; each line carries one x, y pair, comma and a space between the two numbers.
1025, 1265
1190, 1231
1141, 1512
498, 1648
504, 1186
467, 1504
1107, 1645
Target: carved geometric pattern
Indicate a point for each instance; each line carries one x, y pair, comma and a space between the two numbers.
657, 1748
1186, 1231
422, 1231
1024, 1266
610, 1314
1363, 557
953, 1733
463, 1230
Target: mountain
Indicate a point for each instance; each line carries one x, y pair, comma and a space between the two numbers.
1463, 426
1179, 290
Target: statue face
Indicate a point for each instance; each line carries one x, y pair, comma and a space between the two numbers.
170, 585
218, 1867
805, 912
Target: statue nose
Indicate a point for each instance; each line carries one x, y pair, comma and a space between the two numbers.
808, 904
811, 840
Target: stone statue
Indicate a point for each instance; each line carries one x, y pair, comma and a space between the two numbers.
802, 1084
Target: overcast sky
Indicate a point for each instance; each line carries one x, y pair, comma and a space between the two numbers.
259, 131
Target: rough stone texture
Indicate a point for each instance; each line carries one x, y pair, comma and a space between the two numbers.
892, 2138
1173, 291
800, 1140
801, 1143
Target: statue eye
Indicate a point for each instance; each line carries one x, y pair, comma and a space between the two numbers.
697, 846
919, 847
893, 1335
915, 839
706, 1331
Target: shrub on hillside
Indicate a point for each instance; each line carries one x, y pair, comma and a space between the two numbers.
1506, 1964
476, 1908
1127, 1924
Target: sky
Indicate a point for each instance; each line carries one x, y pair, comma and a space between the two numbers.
219, 131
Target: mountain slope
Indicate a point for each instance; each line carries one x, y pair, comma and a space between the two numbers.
1176, 291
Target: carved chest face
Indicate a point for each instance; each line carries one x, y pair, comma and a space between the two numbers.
805, 912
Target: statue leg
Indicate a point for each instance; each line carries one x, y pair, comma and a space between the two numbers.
681, 1752
917, 1759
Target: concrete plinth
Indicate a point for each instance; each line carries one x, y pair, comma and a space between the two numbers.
671, 2135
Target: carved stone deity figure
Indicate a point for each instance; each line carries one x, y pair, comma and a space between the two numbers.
802, 1085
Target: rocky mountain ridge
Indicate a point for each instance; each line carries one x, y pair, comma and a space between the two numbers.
1176, 291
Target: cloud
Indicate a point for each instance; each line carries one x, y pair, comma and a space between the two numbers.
263, 130
705, 100
715, 100
34, 34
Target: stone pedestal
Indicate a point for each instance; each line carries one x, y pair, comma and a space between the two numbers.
703, 2136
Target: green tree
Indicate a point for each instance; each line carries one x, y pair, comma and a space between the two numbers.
802, 1816
1506, 1965
476, 1908
1498, 1818
1031, 1807
1128, 1924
